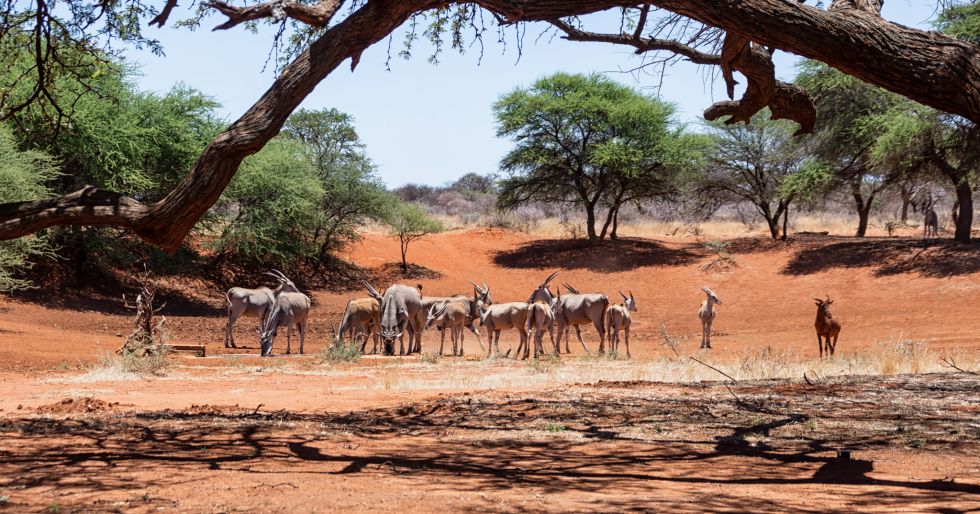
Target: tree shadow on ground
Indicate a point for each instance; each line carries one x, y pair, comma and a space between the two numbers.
888, 256
607, 256
103, 294
638, 438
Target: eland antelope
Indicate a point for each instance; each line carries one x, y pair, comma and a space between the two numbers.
254, 303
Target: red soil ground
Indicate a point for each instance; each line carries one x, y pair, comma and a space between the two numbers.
883, 290
284, 434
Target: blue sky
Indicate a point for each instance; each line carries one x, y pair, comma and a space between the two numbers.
429, 123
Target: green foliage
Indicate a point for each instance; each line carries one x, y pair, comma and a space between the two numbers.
23, 175
756, 163
408, 222
132, 142
812, 179
352, 192
961, 20
272, 205
589, 140
341, 351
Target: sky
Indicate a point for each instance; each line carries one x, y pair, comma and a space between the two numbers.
425, 123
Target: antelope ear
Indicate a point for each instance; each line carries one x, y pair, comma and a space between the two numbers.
829, 302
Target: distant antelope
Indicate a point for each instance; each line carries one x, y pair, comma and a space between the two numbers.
574, 310
827, 327
618, 317
254, 303
288, 310
707, 316
930, 224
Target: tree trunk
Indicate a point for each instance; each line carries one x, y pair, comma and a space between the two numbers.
614, 235
608, 223
404, 256
863, 207
771, 221
964, 221
785, 219
906, 193
590, 221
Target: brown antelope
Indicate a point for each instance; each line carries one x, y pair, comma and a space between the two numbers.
828, 328
450, 316
540, 317
503, 316
707, 316
618, 317
362, 318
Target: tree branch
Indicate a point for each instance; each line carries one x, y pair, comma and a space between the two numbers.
161, 19
642, 44
317, 15
785, 101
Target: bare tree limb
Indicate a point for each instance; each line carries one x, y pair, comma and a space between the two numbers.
641, 44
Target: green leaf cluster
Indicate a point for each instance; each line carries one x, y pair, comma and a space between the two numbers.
23, 175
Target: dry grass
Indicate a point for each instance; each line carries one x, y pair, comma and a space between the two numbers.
834, 223
899, 356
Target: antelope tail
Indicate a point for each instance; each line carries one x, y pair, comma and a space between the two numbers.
344, 322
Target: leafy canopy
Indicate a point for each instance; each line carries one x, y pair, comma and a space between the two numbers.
590, 140
272, 205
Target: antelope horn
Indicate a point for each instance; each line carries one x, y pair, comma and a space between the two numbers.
485, 286
273, 275
570, 288
549, 279
277, 272
370, 289
631, 294
624, 296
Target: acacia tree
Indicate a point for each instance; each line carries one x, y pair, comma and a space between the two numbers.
408, 222
752, 163
590, 142
845, 107
929, 67
23, 175
921, 138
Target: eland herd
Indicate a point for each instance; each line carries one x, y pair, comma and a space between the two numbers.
401, 311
